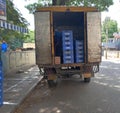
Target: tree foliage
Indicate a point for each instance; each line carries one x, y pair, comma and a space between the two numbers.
15, 17
29, 37
111, 26
100, 4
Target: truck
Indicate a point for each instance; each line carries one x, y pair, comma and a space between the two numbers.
67, 42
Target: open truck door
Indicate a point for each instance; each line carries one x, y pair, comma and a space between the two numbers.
94, 36
43, 42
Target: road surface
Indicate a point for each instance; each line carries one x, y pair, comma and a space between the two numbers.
101, 95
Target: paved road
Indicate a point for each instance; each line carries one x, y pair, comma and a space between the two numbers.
101, 95
17, 86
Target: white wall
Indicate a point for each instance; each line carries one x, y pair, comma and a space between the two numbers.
15, 60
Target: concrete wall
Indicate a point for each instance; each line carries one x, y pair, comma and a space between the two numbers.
111, 54
14, 61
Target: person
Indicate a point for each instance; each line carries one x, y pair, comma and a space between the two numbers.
4, 46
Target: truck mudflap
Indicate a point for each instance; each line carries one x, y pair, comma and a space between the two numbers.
96, 68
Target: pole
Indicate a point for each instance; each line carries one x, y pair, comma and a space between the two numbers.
106, 43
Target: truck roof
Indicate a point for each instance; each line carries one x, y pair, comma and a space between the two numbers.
67, 8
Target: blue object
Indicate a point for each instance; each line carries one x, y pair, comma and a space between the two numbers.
79, 50
67, 42
4, 47
1, 84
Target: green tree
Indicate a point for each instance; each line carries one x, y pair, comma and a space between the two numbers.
111, 26
15, 17
100, 4
29, 37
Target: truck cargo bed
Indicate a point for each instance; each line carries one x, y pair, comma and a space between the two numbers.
67, 37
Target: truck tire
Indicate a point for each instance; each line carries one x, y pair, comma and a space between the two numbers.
52, 83
87, 80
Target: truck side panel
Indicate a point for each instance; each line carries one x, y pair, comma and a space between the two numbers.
43, 41
94, 36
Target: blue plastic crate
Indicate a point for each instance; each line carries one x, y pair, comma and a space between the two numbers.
1, 78
68, 52
1, 72
67, 38
79, 56
67, 48
68, 57
67, 33
79, 43
1, 99
78, 52
65, 61
79, 48
79, 60
1, 93
1, 84
67, 43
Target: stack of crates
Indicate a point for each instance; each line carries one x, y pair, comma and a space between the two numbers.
67, 42
1, 84
79, 50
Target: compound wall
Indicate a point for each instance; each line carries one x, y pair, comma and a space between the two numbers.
16, 60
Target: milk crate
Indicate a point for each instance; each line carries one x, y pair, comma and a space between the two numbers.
67, 60
66, 47
1, 84
71, 57
79, 43
67, 35
78, 60
67, 40
68, 52
67, 43
68, 57
79, 51
1, 93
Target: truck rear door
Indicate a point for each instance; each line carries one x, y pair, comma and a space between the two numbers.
94, 36
42, 40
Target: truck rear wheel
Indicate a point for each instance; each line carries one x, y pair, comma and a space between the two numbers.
87, 80
52, 83
51, 76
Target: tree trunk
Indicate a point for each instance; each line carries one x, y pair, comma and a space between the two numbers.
59, 2
62, 2
54, 2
